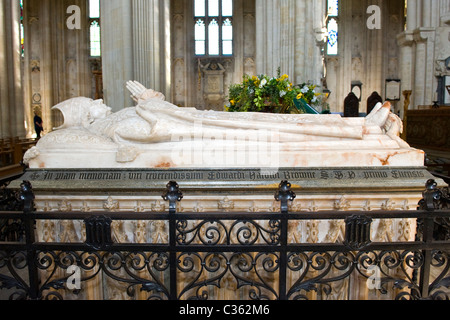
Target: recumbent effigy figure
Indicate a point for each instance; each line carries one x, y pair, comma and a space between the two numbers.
156, 133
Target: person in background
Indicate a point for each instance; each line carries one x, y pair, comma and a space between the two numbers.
38, 124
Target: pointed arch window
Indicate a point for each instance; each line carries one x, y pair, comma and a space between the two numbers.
213, 27
22, 32
332, 27
94, 28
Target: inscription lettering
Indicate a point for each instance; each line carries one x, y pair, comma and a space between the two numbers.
135, 176
339, 175
174, 176
259, 176
396, 174
375, 175
100, 176
65, 176
299, 175
218, 175
229, 175
324, 175
48, 176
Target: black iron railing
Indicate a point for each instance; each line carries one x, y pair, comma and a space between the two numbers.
242, 255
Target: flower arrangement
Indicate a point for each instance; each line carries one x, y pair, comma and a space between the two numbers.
273, 95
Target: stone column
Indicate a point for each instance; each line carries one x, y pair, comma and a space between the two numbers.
267, 36
117, 51
444, 11
286, 38
11, 99
135, 46
151, 43
405, 42
419, 80
411, 22
56, 59
424, 19
426, 13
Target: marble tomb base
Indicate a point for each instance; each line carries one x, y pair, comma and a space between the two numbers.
226, 191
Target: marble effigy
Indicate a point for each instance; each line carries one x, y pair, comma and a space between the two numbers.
157, 134
99, 161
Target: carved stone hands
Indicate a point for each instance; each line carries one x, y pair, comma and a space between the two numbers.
136, 89
139, 93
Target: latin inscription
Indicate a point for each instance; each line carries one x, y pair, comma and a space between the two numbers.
229, 175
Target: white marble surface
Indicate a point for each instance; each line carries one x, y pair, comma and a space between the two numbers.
157, 134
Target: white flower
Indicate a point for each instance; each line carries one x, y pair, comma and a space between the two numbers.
263, 83
305, 89
314, 99
282, 94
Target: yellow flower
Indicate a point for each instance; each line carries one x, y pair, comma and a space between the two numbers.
232, 102
300, 95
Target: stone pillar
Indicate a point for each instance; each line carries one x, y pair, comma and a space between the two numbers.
411, 22
405, 42
267, 36
56, 59
444, 11
424, 43
11, 99
151, 43
286, 38
420, 69
407, 54
117, 51
135, 46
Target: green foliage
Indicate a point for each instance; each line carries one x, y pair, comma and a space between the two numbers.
272, 95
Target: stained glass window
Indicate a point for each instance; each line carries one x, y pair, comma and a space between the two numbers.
213, 27
22, 32
94, 25
333, 27
333, 8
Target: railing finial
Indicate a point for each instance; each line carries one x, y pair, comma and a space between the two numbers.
172, 194
26, 196
284, 194
430, 196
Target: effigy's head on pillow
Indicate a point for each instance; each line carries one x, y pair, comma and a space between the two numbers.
81, 112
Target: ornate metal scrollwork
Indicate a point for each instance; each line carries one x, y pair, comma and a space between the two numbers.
129, 275
17, 200
242, 232
319, 272
15, 263
250, 275
240, 255
435, 198
13, 230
